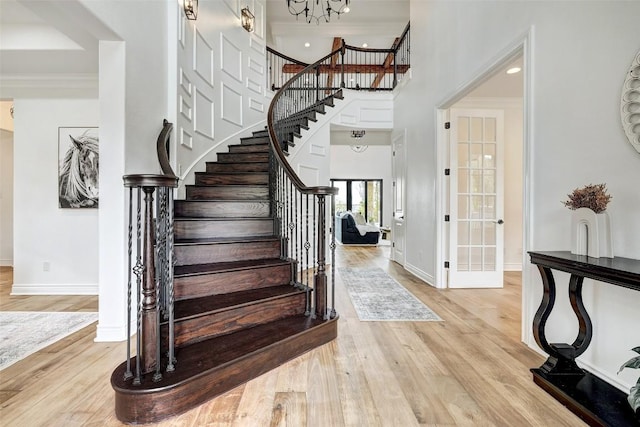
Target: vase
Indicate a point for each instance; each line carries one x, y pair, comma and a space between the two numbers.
591, 233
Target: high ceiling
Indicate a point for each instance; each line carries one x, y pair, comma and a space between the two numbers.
374, 22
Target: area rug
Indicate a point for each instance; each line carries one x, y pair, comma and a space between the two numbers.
377, 296
24, 332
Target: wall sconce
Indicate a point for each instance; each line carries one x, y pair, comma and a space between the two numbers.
191, 9
248, 19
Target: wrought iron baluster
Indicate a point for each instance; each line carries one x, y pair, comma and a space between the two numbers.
332, 246
170, 262
128, 374
139, 271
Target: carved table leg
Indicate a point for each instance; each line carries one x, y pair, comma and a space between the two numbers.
561, 356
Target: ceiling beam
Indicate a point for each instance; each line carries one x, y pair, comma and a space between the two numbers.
337, 43
387, 63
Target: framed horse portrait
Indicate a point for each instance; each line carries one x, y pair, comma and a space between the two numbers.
78, 167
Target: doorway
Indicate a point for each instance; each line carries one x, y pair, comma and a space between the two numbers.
520, 54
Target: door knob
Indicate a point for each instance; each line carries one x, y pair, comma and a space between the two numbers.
499, 222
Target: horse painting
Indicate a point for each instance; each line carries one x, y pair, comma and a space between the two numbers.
78, 177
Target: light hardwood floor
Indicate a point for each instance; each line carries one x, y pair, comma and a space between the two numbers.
470, 370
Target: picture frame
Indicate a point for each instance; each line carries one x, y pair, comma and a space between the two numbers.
78, 166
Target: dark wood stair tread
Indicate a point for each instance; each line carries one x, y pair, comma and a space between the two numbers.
197, 358
219, 267
209, 240
195, 307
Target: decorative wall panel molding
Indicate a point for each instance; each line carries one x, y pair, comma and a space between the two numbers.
186, 140
231, 101
257, 46
254, 86
256, 66
185, 109
234, 6
202, 58
376, 115
230, 58
258, 11
185, 83
317, 150
348, 119
256, 105
309, 175
182, 25
203, 114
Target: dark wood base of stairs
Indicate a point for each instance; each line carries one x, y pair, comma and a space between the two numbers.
209, 368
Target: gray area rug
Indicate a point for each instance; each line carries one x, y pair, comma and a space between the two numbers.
24, 332
377, 296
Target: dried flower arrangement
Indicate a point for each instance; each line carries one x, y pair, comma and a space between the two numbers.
590, 196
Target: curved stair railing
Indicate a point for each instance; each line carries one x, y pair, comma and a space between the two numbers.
303, 215
150, 266
349, 67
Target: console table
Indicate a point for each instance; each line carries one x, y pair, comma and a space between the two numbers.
595, 401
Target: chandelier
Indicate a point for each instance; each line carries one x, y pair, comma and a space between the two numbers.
317, 9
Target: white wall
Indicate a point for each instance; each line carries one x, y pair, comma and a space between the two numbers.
67, 239
373, 163
311, 156
220, 82
6, 197
577, 139
512, 108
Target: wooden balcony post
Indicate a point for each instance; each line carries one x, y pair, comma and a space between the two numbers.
149, 316
320, 279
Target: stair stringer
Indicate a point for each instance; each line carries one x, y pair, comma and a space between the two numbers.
311, 158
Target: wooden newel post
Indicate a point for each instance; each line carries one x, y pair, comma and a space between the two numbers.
149, 316
320, 279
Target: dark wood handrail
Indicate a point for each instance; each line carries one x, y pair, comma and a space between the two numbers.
161, 148
150, 180
275, 144
283, 56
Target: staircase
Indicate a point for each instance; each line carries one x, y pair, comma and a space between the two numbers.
240, 308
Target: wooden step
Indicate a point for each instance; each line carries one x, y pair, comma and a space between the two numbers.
202, 228
250, 148
207, 317
262, 138
260, 133
242, 157
194, 281
221, 209
227, 192
208, 251
231, 178
211, 367
215, 167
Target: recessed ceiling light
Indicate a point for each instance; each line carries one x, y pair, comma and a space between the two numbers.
365, 45
307, 44
514, 70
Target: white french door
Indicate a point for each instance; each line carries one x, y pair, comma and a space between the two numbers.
397, 222
476, 199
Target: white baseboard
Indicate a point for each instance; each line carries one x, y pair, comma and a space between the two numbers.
6, 263
420, 274
54, 289
110, 333
516, 266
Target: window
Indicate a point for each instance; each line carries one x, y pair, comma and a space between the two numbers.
360, 195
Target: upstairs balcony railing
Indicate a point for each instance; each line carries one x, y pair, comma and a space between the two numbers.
347, 67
